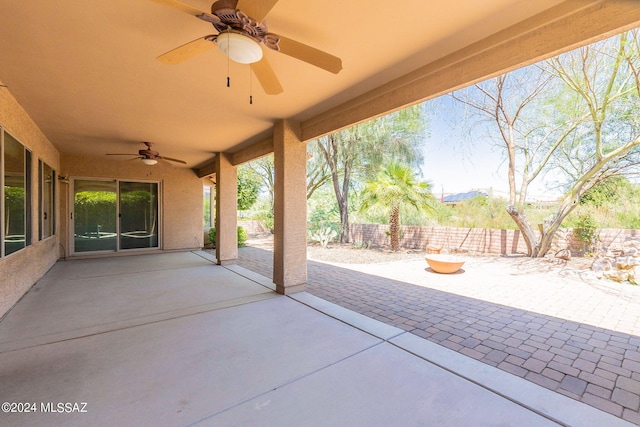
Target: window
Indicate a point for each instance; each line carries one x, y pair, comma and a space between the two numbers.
16, 194
207, 206
46, 219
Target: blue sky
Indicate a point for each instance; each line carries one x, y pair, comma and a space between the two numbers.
457, 162
453, 160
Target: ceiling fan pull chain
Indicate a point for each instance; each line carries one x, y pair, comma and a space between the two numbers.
228, 63
250, 87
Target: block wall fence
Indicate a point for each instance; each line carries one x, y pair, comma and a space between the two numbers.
477, 240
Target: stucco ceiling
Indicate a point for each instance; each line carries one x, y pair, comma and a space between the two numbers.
86, 71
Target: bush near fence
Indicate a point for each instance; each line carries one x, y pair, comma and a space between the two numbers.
476, 240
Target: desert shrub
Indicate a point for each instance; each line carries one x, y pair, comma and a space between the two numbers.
323, 236
242, 236
585, 230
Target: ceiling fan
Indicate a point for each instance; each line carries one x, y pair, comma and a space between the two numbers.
241, 30
148, 156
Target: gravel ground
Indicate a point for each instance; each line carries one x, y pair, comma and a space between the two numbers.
339, 253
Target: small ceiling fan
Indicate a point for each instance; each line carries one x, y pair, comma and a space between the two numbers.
149, 157
241, 30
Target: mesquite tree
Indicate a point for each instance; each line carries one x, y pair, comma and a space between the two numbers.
573, 116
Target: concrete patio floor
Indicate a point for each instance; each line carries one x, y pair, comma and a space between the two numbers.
537, 321
173, 340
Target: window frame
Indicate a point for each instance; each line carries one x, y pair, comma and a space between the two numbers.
28, 192
42, 186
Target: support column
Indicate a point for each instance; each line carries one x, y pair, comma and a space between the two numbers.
226, 210
290, 208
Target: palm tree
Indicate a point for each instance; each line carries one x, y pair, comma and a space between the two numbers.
395, 188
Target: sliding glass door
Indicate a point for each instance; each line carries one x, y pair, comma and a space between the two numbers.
111, 215
95, 215
138, 215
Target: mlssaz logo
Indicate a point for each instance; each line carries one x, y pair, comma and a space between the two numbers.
63, 407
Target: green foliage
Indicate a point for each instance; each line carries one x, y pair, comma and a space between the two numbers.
396, 188
249, 184
358, 152
100, 206
261, 211
590, 134
14, 196
14, 210
323, 211
268, 221
95, 198
207, 201
242, 236
606, 191
585, 230
482, 212
613, 203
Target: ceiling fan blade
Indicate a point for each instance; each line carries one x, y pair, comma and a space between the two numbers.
121, 154
171, 160
164, 162
180, 6
186, 51
267, 77
257, 9
186, 8
310, 55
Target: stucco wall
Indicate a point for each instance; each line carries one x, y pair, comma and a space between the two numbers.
20, 270
181, 195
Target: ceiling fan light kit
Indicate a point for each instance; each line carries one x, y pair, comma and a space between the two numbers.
239, 48
149, 162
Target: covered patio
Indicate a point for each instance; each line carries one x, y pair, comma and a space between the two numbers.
151, 331
194, 343
93, 84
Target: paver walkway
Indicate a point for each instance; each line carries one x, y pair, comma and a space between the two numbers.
597, 366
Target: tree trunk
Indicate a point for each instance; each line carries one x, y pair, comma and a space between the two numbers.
528, 233
539, 242
394, 228
343, 206
341, 189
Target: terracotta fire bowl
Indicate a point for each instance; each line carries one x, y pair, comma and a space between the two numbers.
445, 264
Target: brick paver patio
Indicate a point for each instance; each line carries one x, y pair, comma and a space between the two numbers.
597, 366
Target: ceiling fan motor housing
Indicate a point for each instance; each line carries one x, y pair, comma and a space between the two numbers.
234, 20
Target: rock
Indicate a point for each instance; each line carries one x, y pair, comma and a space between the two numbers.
598, 271
619, 262
564, 254
603, 264
625, 263
617, 275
